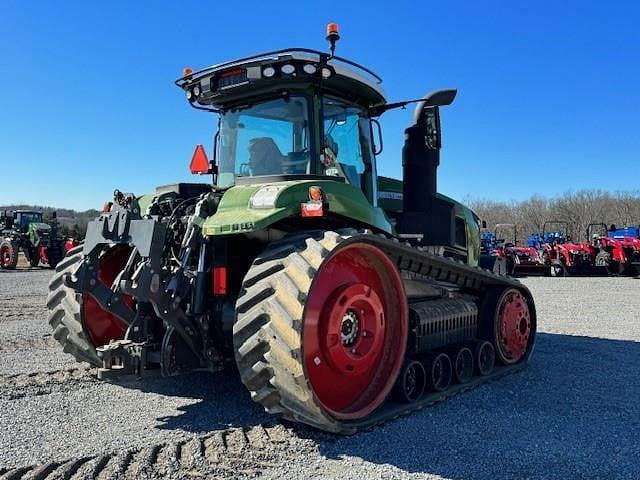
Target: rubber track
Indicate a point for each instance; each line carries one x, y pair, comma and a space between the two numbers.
270, 308
200, 457
64, 312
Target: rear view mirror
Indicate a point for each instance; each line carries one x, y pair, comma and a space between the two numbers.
484, 224
432, 128
377, 145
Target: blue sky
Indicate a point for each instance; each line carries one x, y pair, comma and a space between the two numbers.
549, 92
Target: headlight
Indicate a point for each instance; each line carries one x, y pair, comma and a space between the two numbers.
265, 197
196, 91
309, 68
269, 72
288, 69
326, 73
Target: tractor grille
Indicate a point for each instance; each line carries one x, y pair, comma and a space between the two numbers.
443, 322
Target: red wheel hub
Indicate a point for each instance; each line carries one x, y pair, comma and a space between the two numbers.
514, 325
355, 330
5, 256
102, 326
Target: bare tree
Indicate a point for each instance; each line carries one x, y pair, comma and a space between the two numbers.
578, 209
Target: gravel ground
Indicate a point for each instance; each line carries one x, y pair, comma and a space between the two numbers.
574, 413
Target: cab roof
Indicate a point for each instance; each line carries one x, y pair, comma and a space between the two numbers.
224, 85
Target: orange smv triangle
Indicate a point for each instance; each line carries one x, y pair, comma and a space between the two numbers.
199, 161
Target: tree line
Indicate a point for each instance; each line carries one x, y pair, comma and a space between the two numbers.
578, 209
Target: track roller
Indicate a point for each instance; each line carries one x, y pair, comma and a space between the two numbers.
463, 365
485, 356
411, 382
439, 371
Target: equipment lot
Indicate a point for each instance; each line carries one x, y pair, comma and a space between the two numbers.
573, 413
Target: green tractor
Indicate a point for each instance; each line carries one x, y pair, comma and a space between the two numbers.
343, 298
26, 231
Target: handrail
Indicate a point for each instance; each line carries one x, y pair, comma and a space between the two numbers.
322, 57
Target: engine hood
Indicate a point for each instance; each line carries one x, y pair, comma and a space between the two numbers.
246, 208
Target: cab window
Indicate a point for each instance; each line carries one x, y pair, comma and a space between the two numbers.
346, 149
461, 232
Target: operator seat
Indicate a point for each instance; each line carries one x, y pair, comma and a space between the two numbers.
265, 158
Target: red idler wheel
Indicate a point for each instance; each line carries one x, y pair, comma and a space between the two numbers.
101, 325
513, 326
485, 356
355, 330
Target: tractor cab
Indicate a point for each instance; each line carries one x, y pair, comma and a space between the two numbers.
290, 114
20, 220
23, 218
299, 115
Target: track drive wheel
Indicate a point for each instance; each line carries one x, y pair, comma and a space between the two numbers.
79, 323
65, 312
509, 322
321, 329
8, 254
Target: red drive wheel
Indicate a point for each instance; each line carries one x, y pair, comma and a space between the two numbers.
513, 326
355, 330
102, 326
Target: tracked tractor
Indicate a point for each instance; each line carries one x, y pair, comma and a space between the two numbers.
344, 299
25, 231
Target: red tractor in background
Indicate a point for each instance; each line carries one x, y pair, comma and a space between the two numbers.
618, 249
520, 260
563, 255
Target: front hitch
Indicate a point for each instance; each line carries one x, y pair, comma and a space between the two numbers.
149, 278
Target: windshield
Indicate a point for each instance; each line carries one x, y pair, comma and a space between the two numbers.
270, 138
29, 217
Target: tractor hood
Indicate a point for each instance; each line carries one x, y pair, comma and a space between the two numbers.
245, 208
40, 227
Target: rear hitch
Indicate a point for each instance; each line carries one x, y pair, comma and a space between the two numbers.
126, 358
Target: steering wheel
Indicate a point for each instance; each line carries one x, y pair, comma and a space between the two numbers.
244, 170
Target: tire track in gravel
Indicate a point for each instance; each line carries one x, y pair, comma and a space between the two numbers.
233, 453
24, 343
42, 383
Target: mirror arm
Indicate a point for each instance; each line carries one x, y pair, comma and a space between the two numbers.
378, 110
437, 98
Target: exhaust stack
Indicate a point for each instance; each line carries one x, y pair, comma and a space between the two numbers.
423, 212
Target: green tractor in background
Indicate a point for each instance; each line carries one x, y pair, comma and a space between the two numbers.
343, 298
26, 231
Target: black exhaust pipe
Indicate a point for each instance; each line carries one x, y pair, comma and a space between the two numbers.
424, 213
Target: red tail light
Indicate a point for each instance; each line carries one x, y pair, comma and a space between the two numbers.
219, 280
